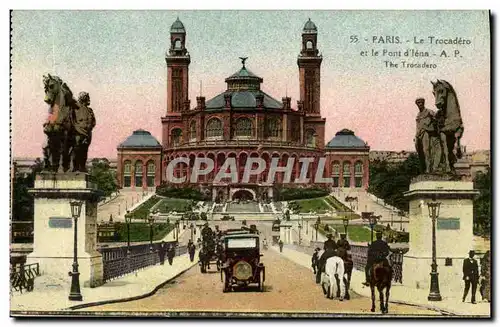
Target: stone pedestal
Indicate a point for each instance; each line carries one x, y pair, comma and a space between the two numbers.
53, 245
454, 235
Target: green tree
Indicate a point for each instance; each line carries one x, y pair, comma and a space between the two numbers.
389, 182
22, 201
102, 175
482, 204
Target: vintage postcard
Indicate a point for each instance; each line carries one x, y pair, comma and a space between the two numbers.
263, 164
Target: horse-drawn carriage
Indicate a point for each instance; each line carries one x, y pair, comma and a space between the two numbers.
211, 250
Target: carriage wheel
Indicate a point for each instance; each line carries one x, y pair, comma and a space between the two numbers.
219, 265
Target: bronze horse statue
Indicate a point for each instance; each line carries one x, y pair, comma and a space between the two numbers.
68, 127
449, 124
58, 126
381, 278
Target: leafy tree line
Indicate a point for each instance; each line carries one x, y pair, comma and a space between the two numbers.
389, 181
182, 193
482, 203
22, 202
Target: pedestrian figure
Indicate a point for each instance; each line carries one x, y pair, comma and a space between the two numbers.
161, 252
471, 276
280, 243
314, 260
485, 288
318, 266
191, 250
170, 254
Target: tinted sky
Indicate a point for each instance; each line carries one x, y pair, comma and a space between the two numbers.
118, 57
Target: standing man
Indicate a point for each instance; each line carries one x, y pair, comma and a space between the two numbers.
377, 251
280, 243
83, 123
471, 276
343, 243
171, 254
191, 250
425, 125
161, 252
314, 260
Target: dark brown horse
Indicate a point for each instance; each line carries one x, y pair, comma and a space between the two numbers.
381, 277
449, 123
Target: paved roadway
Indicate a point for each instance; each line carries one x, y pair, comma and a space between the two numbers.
289, 287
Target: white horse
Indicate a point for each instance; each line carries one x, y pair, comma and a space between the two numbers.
333, 278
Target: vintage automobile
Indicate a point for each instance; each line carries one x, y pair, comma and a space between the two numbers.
242, 264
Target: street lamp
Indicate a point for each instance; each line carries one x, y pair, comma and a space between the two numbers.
434, 294
345, 220
128, 220
75, 295
316, 225
151, 220
192, 229
300, 238
177, 228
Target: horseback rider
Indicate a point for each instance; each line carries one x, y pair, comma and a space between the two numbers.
377, 252
343, 243
329, 243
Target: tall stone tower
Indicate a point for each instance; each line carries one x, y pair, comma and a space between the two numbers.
178, 60
309, 62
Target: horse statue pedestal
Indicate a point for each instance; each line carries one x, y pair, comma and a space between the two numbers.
454, 236
53, 247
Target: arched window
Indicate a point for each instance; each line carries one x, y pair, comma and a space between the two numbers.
138, 173
127, 173
336, 173
244, 127
346, 171
151, 169
273, 127
176, 136
214, 129
309, 45
192, 131
358, 174
177, 44
310, 138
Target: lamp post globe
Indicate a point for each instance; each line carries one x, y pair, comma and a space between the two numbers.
128, 220
75, 294
151, 220
345, 221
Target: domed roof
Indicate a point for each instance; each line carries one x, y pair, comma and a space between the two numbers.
177, 27
346, 139
243, 99
310, 27
140, 139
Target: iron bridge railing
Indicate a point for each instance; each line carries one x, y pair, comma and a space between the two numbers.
22, 277
117, 263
